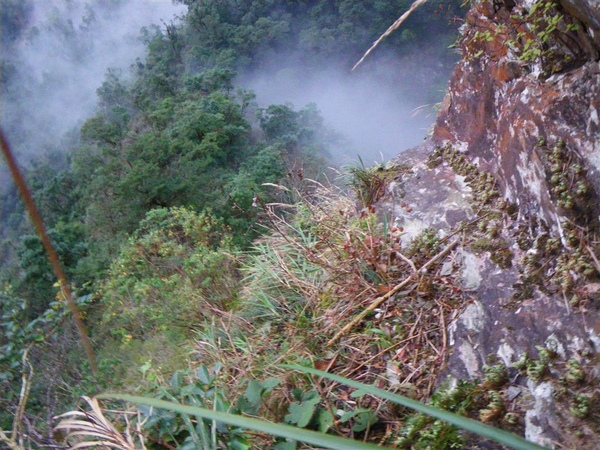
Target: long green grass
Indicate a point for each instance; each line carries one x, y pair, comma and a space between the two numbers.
329, 441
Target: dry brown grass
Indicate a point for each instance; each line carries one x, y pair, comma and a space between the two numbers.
92, 429
324, 263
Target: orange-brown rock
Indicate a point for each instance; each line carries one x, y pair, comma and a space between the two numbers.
524, 106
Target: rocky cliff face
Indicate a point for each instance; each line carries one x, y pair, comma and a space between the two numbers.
529, 80
513, 171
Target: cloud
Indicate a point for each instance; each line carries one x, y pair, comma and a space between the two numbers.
373, 107
62, 59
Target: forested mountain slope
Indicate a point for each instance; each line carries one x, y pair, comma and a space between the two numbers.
207, 249
154, 202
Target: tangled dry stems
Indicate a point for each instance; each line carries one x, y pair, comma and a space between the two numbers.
323, 264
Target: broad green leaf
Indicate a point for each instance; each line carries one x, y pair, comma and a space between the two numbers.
191, 389
204, 376
217, 368
281, 430
286, 445
239, 443
145, 367
176, 380
324, 420
254, 392
363, 420
301, 413
269, 384
358, 394
188, 445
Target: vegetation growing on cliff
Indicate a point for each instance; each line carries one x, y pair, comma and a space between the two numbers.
207, 248
156, 203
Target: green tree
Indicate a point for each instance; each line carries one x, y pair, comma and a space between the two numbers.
37, 284
159, 76
302, 133
172, 274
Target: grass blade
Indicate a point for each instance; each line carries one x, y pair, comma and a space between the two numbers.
495, 434
285, 431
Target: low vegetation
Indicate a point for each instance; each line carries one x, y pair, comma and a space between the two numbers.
208, 251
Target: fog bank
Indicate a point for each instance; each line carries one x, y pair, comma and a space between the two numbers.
383, 108
61, 60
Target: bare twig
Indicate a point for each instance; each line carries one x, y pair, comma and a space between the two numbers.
9, 442
443, 328
23, 397
408, 261
596, 262
52, 255
390, 30
16, 442
391, 293
138, 428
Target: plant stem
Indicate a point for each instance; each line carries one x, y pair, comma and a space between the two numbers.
378, 301
36, 217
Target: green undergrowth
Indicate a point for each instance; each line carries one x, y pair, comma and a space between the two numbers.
324, 260
370, 184
173, 274
188, 318
179, 295
194, 411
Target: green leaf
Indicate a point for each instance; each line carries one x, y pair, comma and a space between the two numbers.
176, 380
239, 443
287, 445
500, 436
281, 430
301, 413
189, 444
269, 384
191, 390
254, 392
358, 394
204, 376
363, 419
324, 420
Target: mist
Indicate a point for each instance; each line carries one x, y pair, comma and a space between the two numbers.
61, 59
383, 108
376, 122
63, 56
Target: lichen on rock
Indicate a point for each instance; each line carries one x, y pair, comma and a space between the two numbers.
513, 168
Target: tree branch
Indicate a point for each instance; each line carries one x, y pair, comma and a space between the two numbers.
52, 255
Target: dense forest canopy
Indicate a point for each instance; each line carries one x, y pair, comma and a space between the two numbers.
151, 195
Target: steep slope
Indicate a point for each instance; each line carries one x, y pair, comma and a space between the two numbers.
512, 170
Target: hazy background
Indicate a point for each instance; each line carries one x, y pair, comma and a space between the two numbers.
68, 46
61, 59
374, 114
